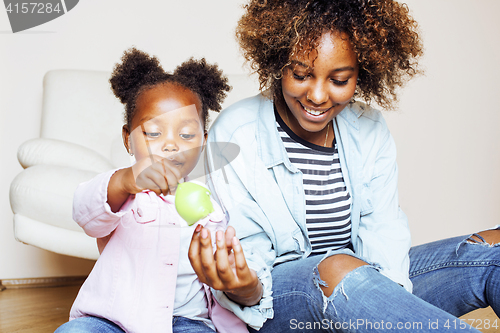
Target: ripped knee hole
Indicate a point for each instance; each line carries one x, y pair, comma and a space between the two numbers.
490, 237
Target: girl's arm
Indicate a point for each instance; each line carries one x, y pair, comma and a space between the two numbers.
159, 177
97, 203
90, 208
117, 191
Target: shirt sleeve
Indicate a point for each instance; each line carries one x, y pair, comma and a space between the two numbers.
383, 229
246, 216
90, 207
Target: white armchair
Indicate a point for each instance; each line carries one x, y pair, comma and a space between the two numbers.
80, 137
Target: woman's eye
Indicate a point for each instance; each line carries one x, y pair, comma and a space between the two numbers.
152, 134
340, 83
187, 136
299, 77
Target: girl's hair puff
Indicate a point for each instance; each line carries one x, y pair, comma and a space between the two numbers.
383, 35
139, 72
206, 80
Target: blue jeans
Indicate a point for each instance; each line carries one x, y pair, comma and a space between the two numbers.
100, 325
450, 277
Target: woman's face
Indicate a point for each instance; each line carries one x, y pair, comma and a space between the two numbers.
167, 125
316, 87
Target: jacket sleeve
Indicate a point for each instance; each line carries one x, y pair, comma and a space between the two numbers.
229, 185
90, 208
383, 228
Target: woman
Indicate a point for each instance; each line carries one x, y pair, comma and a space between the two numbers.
313, 194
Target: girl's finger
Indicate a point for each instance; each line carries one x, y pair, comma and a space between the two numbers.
145, 182
171, 174
152, 179
162, 177
160, 182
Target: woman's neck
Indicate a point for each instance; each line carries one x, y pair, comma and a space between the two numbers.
323, 138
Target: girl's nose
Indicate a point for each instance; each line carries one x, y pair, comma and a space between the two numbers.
170, 146
317, 94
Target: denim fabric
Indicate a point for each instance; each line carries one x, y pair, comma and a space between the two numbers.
89, 324
186, 325
100, 325
455, 275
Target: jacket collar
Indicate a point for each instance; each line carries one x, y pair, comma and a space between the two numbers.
269, 144
351, 114
271, 151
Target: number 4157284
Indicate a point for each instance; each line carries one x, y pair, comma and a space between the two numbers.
474, 323
33, 8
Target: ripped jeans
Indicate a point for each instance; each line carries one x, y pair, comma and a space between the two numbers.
456, 275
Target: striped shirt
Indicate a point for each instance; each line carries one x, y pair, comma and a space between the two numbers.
328, 203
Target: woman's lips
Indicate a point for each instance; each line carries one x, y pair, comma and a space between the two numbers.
314, 112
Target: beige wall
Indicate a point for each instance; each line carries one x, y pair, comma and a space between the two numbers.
448, 144
447, 127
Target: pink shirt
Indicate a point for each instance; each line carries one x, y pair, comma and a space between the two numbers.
133, 284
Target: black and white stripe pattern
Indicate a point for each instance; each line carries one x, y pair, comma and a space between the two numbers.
328, 203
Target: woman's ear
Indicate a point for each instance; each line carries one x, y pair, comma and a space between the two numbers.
126, 139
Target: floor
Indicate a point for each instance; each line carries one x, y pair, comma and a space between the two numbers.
42, 310
35, 310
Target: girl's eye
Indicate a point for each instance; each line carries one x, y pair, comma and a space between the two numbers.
187, 136
152, 134
340, 83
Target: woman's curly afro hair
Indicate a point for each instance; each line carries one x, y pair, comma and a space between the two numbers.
139, 72
383, 35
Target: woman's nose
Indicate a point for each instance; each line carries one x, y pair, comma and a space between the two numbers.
317, 93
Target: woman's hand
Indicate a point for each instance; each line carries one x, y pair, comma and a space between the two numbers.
227, 269
158, 175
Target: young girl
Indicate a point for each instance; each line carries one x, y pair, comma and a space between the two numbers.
143, 281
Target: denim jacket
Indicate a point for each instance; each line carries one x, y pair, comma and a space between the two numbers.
263, 194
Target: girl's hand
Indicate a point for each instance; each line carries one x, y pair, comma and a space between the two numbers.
154, 173
159, 175
227, 269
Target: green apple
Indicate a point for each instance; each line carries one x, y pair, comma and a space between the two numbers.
192, 201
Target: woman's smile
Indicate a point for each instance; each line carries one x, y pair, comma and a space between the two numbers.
314, 112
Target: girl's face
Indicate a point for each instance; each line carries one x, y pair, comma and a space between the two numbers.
316, 87
167, 125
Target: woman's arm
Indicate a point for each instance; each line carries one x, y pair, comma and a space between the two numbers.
383, 226
226, 270
241, 182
